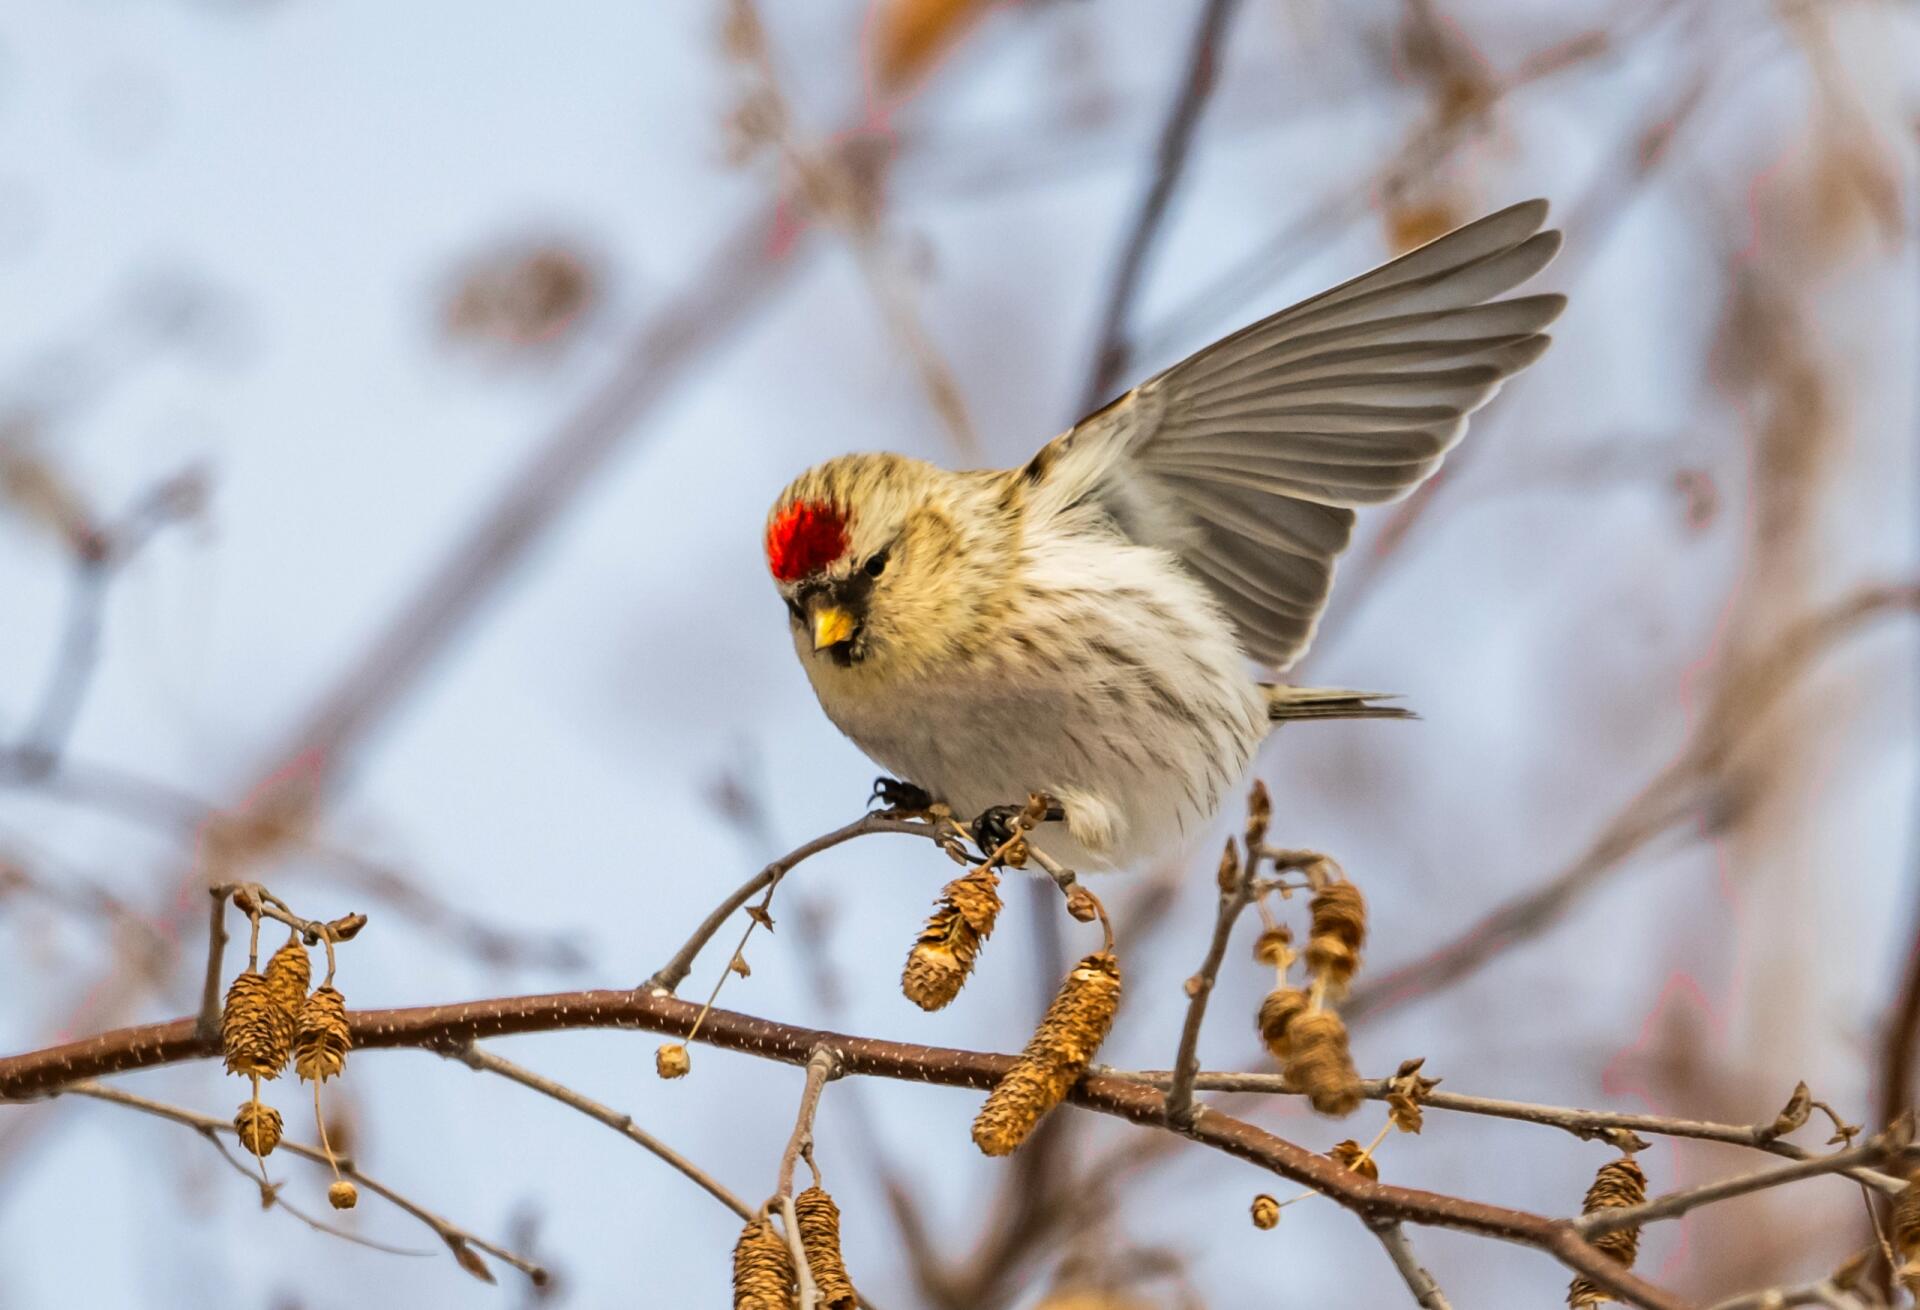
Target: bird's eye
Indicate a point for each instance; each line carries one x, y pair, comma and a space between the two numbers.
875, 565
793, 608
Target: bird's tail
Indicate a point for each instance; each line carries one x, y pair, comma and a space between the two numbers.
1285, 703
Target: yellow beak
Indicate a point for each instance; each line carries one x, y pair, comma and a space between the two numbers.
831, 626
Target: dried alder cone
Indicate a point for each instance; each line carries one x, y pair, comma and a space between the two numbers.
1059, 1052
1297, 1025
762, 1269
258, 1126
253, 1033
1618, 1184
1277, 1013
1339, 930
940, 962
1274, 948
820, 1238
288, 973
342, 1195
1319, 1063
1266, 1212
322, 1040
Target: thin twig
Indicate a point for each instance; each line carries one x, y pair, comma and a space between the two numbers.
1584, 1124
209, 1024
671, 974
841, 188
1186, 1064
1823, 1292
272, 1195
1425, 1291
476, 1057
822, 1065
1676, 1203
458, 1239
100, 555
802, 1269
1199, 74
1679, 791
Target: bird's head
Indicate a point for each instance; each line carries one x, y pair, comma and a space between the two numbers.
870, 559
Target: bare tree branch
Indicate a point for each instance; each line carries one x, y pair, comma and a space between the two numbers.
1425, 1291
458, 1239
1871, 1154
1235, 893
1675, 793
40, 1073
1584, 1124
477, 1057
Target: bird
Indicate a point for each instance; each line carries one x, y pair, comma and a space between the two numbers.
1101, 626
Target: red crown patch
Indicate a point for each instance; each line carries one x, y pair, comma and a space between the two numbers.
804, 538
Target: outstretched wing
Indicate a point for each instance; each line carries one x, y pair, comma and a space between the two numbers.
1246, 460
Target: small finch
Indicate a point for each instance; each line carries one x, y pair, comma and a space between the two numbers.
1088, 625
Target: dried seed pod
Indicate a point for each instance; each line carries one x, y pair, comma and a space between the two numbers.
1356, 1157
1266, 1212
1618, 1184
762, 1269
258, 1125
342, 1195
942, 959
288, 974
1319, 1064
1274, 947
671, 1061
1339, 930
1277, 1013
1404, 1112
1058, 1053
1406, 1090
820, 1238
322, 1039
252, 1032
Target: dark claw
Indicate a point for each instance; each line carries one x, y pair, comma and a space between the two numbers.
901, 797
994, 828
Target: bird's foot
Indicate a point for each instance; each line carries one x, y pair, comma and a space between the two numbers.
897, 797
999, 825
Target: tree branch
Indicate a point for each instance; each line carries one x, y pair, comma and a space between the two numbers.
1425, 1291
1584, 1124
1674, 1204
475, 1057
458, 1239
1677, 791
1186, 1064
40, 1073
674, 972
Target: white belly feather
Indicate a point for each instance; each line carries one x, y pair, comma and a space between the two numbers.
1115, 685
